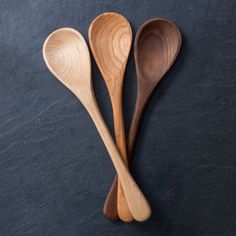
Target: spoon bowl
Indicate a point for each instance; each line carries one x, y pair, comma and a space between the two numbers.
62, 51
110, 38
156, 46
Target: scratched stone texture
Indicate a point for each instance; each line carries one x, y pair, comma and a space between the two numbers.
54, 170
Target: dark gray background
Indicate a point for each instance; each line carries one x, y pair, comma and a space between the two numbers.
54, 170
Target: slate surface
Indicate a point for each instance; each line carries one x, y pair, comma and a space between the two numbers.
54, 170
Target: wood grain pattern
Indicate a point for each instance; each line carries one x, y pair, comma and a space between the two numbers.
67, 57
110, 38
157, 44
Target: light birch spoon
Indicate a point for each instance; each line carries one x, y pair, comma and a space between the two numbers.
110, 38
67, 57
157, 44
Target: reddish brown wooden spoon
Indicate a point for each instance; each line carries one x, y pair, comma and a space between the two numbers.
110, 38
157, 44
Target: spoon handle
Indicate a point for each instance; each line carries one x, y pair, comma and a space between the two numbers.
110, 209
122, 206
137, 202
138, 111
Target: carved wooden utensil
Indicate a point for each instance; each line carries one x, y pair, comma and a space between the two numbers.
157, 44
110, 38
67, 57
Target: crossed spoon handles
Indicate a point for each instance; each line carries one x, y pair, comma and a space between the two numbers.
137, 202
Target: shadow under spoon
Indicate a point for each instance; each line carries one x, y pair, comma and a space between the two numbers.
157, 44
67, 57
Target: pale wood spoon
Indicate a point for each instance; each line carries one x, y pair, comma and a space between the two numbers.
67, 57
110, 38
157, 44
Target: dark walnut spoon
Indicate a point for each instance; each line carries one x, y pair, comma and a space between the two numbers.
157, 44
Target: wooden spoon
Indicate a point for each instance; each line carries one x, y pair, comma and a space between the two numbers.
67, 57
157, 44
110, 38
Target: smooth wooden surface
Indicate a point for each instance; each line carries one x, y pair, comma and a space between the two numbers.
187, 151
67, 57
110, 38
157, 44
